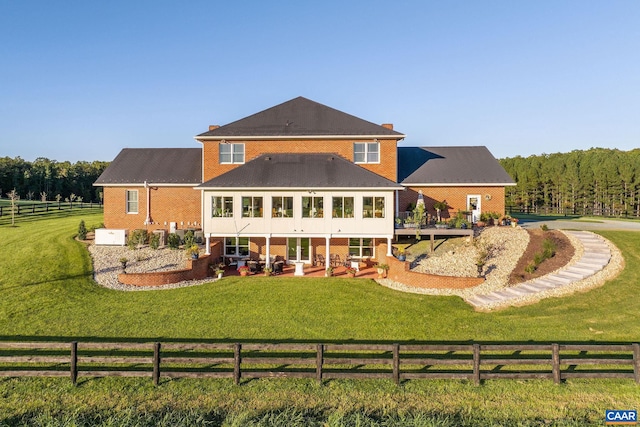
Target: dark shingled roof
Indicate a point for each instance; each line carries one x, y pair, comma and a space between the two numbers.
450, 166
154, 165
315, 170
301, 117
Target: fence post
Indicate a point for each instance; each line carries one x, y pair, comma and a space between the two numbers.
74, 362
476, 364
156, 363
555, 361
237, 359
396, 363
319, 361
636, 362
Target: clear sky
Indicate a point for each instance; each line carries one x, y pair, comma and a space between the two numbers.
80, 80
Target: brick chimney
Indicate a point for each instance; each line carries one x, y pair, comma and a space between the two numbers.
388, 126
213, 127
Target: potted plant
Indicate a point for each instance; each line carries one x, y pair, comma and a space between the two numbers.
351, 271
244, 270
328, 272
382, 270
439, 207
123, 263
193, 251
514, 221
402, 256
267, 271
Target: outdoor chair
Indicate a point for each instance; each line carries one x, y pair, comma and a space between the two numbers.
320, 260
278, 267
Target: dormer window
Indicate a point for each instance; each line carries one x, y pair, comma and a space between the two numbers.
231, 153
366, 152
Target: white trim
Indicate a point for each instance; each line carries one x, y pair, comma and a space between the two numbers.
293, 137
150, 184
459, 184
283, 189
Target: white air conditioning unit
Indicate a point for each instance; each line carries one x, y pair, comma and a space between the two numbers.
163, 236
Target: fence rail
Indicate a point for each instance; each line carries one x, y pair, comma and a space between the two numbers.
45, 207
398, 362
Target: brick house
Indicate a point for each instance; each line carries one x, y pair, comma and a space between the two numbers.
296, 180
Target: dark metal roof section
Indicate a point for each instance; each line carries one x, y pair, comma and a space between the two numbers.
154, 165
315, 170
301, 117
450, 166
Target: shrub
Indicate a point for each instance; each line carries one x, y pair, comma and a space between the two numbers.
549, 248
137, 238
189, 240
82, 231
173, 241
154, 240
531, 267
544, 227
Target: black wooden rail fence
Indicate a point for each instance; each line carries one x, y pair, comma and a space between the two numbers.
44, 207
397, 362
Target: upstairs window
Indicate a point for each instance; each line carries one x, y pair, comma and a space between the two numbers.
282, 207
231, 153
366, 152
221, 207
251, 207
132, 201
343, 207
373, 207
312, 207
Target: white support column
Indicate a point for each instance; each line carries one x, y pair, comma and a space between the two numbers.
268, 251
389, 253
207, 248
327, 251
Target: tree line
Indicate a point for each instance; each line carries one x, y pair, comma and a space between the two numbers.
48, 180
598, 181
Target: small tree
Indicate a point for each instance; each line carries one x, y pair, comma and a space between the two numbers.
439, 207
14, 197
58, 198
82, 230
72, 197
29, 195
43, 196
418, 216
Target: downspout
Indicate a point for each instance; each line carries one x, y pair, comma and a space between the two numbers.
148, 220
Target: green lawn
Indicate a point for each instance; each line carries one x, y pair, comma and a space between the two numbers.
47, 292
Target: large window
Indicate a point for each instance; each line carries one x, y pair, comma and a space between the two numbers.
343, 207
373, 207
361, 247
236, 246
231, 153
251, 207
221, 207
312, 207
132, 201
282, 207
366, 152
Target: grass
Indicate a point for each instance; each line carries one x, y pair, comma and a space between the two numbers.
47, 292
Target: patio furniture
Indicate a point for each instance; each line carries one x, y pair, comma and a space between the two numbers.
319, 260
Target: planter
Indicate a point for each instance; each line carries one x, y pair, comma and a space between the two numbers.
351, 275
513, 224
382, 273
402, 257
244, 273
195, 256
220, 275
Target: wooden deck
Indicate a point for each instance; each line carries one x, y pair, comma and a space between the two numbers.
432, 232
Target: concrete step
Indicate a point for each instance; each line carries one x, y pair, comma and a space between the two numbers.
558, 279
482, 300
586, 271
575, 275
542, 284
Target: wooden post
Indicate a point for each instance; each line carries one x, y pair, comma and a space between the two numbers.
156, 363
74, 362
636, 362
396, 363
319, 361
555, 361
237, 359
476, 364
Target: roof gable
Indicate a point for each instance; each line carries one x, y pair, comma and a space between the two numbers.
300, 117
286, 171
154, 165
450, 166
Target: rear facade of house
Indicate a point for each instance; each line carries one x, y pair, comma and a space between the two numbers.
298, 181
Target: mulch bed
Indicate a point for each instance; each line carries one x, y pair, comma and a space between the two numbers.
564, 253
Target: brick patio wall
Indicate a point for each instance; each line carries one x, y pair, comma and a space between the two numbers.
197, 269
399, 272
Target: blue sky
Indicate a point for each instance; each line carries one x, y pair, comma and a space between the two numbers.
80, 80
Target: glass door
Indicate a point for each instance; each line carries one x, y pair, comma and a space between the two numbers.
299, 249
